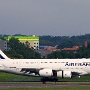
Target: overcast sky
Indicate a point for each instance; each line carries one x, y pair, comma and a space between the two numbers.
45, 17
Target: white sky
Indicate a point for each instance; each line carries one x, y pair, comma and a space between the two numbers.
45, 17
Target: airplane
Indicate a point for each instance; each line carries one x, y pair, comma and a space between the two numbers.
48, 69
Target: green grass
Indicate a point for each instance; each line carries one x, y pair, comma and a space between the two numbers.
12, 77
81, 79
68, 88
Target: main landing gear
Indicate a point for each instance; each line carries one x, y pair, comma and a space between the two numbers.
51, 79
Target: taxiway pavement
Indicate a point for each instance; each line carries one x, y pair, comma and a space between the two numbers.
40, 85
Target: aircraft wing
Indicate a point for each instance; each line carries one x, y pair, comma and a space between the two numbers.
29, 70
79, 73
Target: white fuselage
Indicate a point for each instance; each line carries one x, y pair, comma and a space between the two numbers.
81, 66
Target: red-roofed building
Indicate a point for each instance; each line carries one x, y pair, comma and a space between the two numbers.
74, 48
50, 48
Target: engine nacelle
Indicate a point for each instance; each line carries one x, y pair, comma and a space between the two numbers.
46, 72
64, 74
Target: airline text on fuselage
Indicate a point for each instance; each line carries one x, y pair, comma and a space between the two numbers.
78, 64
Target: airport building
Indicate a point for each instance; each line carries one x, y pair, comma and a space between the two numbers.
3, 44
33, 41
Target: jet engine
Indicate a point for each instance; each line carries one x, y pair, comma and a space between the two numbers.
46, 72
64, 74
52, 73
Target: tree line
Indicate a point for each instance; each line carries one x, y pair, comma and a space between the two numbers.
67, 41
83, 52
21, 50
64, 41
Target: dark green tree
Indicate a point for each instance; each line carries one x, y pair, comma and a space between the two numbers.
21, 50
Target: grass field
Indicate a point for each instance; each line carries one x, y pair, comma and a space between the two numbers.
72, 88
12, 77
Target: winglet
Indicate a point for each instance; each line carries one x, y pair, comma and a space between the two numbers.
3, 56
